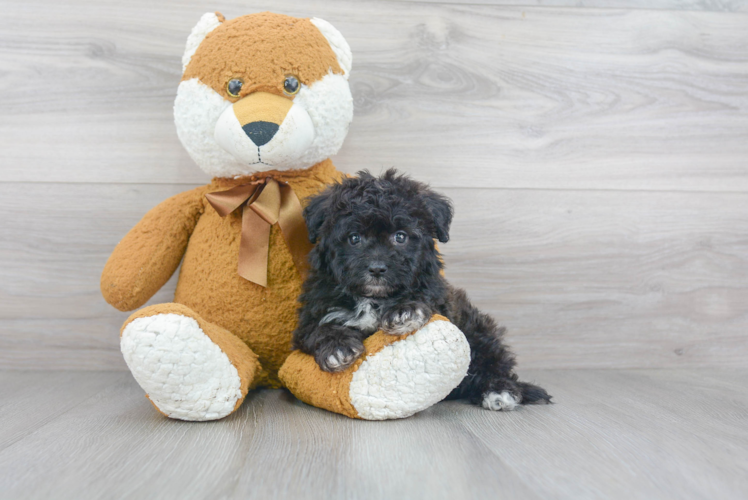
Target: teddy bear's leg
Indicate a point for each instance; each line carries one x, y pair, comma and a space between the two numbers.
189, 368
397, 376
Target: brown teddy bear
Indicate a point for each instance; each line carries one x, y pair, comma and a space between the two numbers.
263, 103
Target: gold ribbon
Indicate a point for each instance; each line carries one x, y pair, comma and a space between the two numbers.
265, 202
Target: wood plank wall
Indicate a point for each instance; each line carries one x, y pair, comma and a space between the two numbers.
596, 152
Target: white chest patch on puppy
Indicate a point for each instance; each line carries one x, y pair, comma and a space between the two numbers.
365, 317
499, 401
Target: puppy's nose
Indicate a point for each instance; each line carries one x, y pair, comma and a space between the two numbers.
377, 268
260, 132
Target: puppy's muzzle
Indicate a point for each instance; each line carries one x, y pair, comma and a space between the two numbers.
377, 269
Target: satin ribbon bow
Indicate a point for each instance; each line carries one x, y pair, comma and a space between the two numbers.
265, 202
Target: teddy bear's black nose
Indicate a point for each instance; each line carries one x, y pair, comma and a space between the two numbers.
260, 132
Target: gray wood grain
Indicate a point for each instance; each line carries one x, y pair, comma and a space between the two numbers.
275, 447
52, 310
616, 137
595, 151
698, 5
50, 394
677, 434
465, 95
580, 278
655, 279
647, 434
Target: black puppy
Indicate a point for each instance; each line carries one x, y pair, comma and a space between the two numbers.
375, 266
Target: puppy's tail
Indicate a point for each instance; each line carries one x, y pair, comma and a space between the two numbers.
533, 394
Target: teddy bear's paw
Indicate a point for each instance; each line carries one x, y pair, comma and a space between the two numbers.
412, 374
185, 375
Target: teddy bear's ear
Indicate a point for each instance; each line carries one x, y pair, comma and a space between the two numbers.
337, 44
206, 24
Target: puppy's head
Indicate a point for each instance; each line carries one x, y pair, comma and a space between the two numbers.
263, 91
375, 236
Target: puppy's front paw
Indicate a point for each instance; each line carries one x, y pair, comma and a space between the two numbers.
405, 318
501, 401
335, 355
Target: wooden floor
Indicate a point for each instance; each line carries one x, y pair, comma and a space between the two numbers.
612, 434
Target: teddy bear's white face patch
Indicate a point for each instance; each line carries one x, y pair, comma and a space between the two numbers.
196, 111
269, 144
312, 130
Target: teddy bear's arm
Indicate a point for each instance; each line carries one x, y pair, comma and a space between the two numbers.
149, 254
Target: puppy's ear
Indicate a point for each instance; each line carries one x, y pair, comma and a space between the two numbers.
316, 212
440, 208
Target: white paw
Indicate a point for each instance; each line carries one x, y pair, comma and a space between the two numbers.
183, 372
500, 401
405, 321
411, 374
341, 360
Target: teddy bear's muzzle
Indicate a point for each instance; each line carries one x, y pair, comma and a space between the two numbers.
262, 107
264, 128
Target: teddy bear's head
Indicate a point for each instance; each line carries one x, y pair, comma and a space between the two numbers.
263, 91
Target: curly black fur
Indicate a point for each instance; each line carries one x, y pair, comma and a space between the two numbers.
376, 266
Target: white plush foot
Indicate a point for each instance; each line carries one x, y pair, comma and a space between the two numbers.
500, 401
412, 374
183, 372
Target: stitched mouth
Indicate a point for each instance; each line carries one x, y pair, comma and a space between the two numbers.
259, 159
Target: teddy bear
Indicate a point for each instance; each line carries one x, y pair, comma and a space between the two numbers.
263, 102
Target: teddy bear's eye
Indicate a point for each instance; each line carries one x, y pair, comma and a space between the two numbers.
291, 85
234, 87
354, 239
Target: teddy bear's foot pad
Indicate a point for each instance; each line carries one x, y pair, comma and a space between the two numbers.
184, 373
412, 374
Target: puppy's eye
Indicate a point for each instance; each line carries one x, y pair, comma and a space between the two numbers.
291, 85
354, 239
400, 237
234, 87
